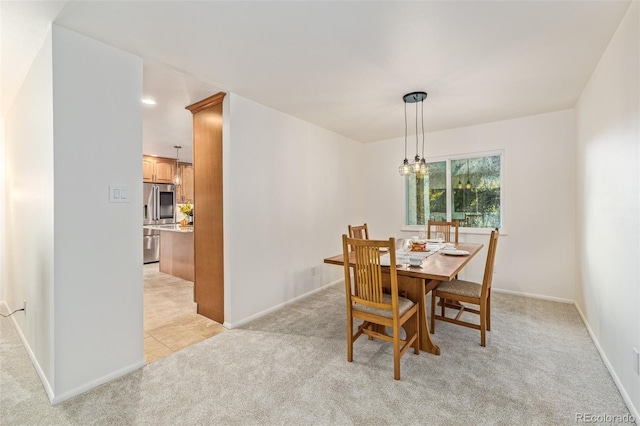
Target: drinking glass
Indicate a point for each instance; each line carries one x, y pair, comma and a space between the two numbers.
440, 238
406, 248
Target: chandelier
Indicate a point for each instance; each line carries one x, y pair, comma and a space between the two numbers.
419, 165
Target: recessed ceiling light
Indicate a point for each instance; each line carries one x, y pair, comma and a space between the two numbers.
148, 101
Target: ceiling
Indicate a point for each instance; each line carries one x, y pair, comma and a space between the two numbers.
167, 123
342, 65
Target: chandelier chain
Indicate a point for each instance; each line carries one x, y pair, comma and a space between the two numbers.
405, 130
422, 113
416, 130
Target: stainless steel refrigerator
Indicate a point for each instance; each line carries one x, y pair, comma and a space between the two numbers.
159, 209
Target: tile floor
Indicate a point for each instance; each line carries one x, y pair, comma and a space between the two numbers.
170, 319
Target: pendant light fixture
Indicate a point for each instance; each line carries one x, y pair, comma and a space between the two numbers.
423, 162
405, 168
419, 165
415, 166
468, 186
176, 179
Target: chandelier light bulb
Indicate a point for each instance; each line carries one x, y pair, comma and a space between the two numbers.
405, 168
416, 165
423, 167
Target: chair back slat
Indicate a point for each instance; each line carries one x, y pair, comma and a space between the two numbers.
445, 228
491, 257
367, 269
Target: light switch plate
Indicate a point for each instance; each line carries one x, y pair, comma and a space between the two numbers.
118, 193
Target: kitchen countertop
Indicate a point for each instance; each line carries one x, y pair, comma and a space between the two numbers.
172, 227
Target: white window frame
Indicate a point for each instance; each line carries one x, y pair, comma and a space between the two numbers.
447, 159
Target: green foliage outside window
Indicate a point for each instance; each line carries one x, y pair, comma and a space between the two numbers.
427, 196
475, 193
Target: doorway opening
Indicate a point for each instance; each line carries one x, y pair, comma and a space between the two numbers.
171, 318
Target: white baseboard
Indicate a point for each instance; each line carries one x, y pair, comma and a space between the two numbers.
32, 357
275, 308
94, 383
56, 399
236, 324
625, 396
533, 296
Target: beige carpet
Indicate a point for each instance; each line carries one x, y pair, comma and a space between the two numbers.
539, 368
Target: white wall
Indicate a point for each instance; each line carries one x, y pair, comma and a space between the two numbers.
291, 190
98, 252
29, 257
608, 202
536, 256
74, 256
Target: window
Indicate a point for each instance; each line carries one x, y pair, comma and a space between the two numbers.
467, 189
427, 195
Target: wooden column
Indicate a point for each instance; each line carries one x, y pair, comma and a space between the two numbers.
207, 227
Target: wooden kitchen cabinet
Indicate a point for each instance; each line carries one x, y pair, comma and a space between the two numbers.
176, 254
158, 169
185, 189
148, 168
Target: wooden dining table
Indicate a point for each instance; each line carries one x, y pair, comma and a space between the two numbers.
417, 281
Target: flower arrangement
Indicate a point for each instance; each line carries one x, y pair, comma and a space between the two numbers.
187, 209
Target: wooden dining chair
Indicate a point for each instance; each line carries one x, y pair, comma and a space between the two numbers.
367, 302
361, 231
468, 292
445, 228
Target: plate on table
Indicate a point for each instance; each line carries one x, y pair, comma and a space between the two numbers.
454, 252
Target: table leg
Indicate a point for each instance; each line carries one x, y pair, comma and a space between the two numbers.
416, 291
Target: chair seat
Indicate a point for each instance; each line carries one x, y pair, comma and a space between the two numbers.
461, 288
403, 306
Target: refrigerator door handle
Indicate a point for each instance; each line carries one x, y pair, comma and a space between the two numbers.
156, 188
153, 202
